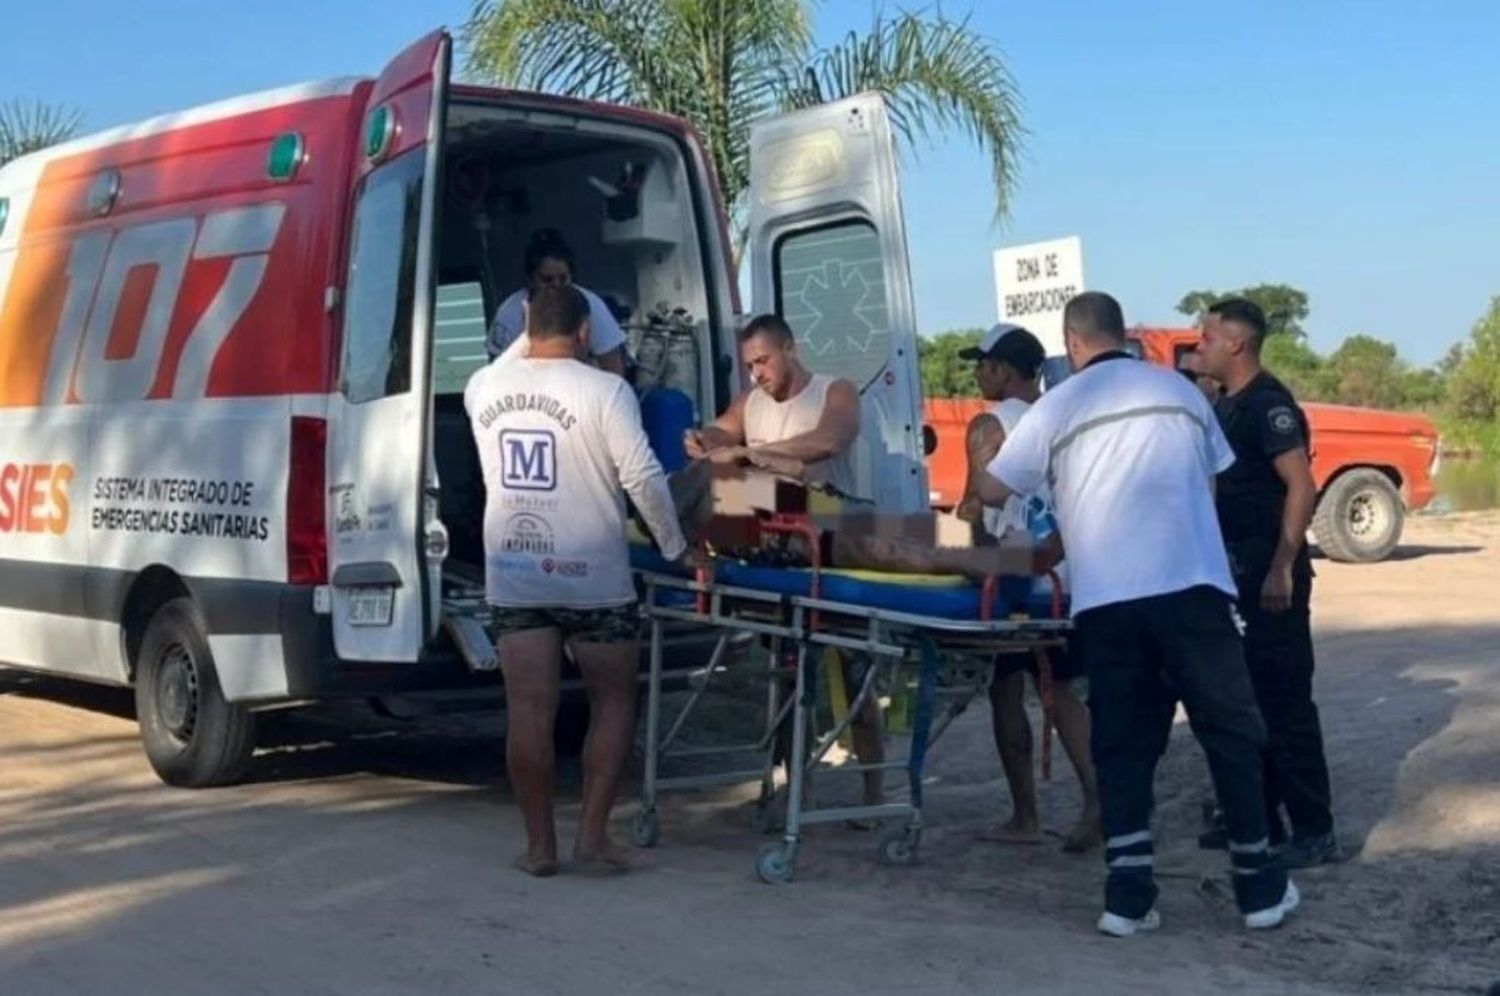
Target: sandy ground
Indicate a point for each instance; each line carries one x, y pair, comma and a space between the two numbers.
372, 857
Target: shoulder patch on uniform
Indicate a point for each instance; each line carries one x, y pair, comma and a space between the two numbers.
1282, 419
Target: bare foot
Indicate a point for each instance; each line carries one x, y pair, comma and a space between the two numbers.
1013, 831
1084, 837
605, 859
538, 865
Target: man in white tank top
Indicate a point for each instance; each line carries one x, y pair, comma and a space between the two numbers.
1009, 362
791, 413
795, 417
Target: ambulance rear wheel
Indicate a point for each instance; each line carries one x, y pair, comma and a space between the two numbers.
193, 738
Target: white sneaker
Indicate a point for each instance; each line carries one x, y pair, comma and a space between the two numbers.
1116, 925
1272, 916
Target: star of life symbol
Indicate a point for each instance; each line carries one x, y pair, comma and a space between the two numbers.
827, 291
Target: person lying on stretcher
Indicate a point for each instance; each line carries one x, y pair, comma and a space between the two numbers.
725, 500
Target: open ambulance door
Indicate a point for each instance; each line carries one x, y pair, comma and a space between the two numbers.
827, 250
386, 543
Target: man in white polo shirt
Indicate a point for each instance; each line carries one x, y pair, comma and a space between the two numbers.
561, 443
1130, 452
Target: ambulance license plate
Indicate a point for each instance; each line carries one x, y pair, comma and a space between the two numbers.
371, 606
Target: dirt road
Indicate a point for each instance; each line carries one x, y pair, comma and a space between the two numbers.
370, 857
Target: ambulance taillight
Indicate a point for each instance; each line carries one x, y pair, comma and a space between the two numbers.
306, 503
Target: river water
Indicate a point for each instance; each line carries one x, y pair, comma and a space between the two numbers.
1468, 485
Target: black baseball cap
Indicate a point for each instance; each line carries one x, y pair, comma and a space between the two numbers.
1009, 344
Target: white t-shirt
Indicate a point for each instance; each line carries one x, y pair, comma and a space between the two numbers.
1129, 451
560, 443
605, 335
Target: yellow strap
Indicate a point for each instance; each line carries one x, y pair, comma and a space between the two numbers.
905, 580
838, 693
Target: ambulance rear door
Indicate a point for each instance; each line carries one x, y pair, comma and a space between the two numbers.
386, 544
827, 251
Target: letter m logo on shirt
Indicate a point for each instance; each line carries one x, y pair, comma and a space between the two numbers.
528, 460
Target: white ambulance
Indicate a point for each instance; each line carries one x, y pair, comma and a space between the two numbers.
235, 470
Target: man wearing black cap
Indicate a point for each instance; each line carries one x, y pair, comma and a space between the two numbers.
1265, 501
1008, 369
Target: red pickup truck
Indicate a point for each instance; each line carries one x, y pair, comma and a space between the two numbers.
1371, 467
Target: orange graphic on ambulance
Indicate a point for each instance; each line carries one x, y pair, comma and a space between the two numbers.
34, 497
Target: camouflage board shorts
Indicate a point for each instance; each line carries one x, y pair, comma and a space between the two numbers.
611, 624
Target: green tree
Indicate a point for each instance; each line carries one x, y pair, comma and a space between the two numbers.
944, 375
26, 127
1451, 360
1285, 306
1364, 371
1297, 365
1422, 388
721, 64
1473, 390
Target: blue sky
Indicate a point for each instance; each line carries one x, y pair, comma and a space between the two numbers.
1348, 148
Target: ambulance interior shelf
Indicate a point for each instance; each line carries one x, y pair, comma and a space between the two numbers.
641, 210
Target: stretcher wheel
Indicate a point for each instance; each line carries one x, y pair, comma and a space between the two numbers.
647, 830
776, 864
898, 847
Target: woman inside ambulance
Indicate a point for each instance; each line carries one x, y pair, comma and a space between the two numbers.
549, 263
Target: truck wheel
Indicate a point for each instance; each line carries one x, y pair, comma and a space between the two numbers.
1359, 517
193, 738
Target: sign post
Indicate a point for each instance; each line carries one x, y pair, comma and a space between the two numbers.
1033, 283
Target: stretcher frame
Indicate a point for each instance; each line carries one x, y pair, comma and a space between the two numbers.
954, 660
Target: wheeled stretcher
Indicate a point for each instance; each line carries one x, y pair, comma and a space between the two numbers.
941, 631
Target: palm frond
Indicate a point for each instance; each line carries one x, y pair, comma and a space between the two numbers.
28, 126
598, 49
936, 74
736, 51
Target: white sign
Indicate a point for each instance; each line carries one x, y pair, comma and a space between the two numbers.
1033, 282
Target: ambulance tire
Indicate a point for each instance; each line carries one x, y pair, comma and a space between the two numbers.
1359, 517
193, 738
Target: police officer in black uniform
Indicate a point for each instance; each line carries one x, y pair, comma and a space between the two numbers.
1265, 501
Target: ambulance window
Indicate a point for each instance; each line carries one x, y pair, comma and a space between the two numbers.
382, 282
458, 341
830, 288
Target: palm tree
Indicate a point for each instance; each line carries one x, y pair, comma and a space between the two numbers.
27, 127
723, 63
